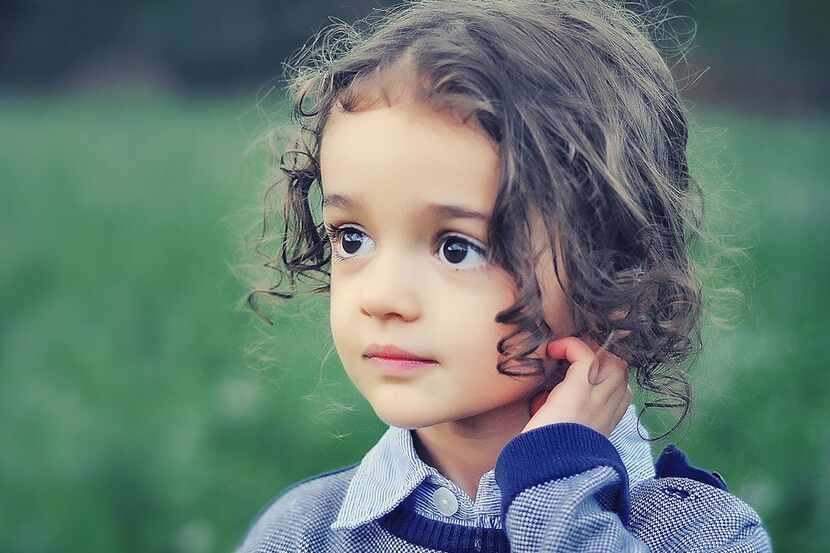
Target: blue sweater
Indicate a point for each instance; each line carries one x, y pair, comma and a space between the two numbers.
562, 487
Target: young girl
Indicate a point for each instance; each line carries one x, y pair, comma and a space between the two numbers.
504, 191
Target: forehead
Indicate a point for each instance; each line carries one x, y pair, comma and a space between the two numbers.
408, 153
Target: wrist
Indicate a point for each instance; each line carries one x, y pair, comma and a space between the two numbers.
556, 451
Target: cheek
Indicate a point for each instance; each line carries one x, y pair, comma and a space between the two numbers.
473, 333
477, 371
470, 333
472, 342
338, 321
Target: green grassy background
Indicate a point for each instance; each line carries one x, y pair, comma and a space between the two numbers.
135, 419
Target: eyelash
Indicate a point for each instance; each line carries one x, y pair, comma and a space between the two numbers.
334, 233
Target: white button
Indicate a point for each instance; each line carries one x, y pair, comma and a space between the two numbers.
445, 501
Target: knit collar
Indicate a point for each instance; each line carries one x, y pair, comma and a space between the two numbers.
391, 470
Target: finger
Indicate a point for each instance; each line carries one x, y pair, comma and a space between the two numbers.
579, 356
619, 394
612, 373
590, 343
571, 348
610, 365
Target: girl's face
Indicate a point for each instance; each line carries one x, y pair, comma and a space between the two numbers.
413, 273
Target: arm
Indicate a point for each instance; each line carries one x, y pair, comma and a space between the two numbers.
565, 488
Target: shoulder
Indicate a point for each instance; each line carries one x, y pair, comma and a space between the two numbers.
305, 508
691, 508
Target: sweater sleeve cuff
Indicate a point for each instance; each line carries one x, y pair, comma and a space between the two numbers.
557, 451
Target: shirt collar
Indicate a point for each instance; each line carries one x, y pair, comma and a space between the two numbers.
392, 470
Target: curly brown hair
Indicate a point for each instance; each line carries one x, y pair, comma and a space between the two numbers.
592, 136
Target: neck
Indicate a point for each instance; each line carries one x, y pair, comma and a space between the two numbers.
465, 449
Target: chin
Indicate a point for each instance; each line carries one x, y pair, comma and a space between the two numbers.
404, 420
411, 419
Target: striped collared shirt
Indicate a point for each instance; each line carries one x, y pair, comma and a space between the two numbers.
561, 487
392, 473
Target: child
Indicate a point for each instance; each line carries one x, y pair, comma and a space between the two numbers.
546, 143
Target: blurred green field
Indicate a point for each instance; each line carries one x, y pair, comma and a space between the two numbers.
133, 420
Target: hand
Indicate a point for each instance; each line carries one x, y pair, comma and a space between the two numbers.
597, 400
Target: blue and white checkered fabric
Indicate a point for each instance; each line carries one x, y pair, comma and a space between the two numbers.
563, 487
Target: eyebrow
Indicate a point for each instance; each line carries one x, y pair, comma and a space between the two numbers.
442, 211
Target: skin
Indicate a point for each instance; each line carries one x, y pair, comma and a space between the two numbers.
402, 284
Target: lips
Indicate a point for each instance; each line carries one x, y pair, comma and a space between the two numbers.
393, 352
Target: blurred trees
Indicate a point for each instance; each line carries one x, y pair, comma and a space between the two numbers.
774, 49
209, 44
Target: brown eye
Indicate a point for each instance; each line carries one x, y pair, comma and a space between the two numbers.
457, 251
460, 253
345, 240
350, 241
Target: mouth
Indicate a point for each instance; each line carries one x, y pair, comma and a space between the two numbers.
399, 368
390, 353
396, 362
401, 363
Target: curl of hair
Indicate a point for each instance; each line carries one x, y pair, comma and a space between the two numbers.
592, 136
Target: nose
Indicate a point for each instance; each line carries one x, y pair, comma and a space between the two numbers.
389, 286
